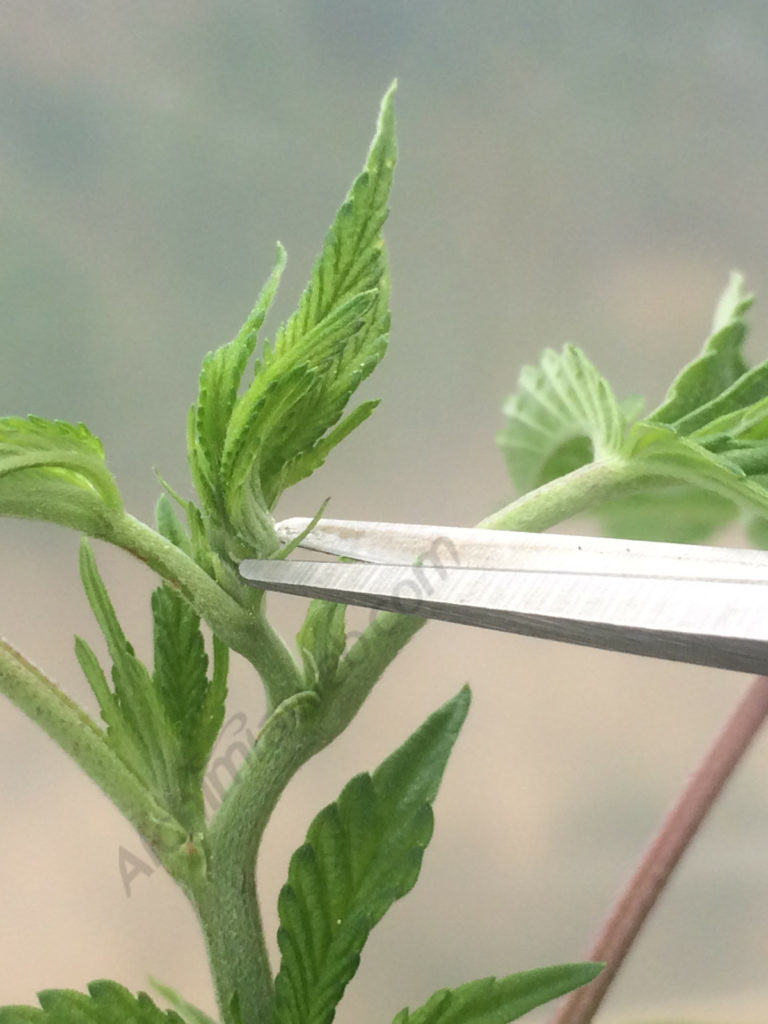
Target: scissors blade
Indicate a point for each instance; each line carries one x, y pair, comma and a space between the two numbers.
405, 543
720, 623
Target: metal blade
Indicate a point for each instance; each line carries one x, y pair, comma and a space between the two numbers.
404, 544
705, 622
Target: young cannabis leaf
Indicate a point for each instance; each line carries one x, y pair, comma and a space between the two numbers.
563, 415
106, 1003
246, 449
162, 724
321, 642
55, 471
362, 853
500, 1000
710, 434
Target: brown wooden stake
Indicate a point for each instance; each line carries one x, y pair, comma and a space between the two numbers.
662, 856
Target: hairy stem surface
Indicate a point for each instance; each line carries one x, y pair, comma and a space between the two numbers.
303, 726
79, 736
244, 631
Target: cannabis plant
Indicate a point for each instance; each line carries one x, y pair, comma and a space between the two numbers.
252, 434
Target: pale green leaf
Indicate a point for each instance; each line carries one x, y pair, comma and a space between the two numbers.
675, 513
191, 1014
220, 378
321, 641
55, 471
139, 725
720, 364
657, 451
169, 526
106, 1003
362, 853
562, 416
500, 1000
245, 449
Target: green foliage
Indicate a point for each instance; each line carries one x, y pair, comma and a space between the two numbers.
362, 853
162, 724
106, 1003
55, 471
563, 415
498, 1001
245, 449
710, 434
189, 1013
321, 641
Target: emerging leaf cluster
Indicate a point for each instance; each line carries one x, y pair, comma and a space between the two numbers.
162, 724
246, 449
710, 434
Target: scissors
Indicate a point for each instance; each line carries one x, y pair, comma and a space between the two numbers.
681, 602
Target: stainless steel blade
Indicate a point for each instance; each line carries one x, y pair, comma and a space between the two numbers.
404, 544
706, 622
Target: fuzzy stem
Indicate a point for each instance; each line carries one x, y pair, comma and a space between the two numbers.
226, 900
228, 909
244, 631
79, 736
562, 498
664, 853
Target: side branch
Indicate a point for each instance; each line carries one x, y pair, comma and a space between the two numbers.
79, 736
246, 633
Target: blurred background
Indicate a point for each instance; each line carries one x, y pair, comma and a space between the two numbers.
583, 172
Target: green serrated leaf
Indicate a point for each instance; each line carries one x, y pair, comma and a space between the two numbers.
169, 526
720, 364
106, 1003
362, 853
223, 369
194, 706
562, 416
498, 1001
55, 471
246, 449
139, 727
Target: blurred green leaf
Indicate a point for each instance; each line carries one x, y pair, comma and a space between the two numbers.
362, 853
562, 416
55, 471
187, 1011
106, 1003
679, 514
720, 363
500, 1000
709, 436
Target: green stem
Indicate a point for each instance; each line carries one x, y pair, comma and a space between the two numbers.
79, 736
560, 499
245, 631
226, 900
227, 905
